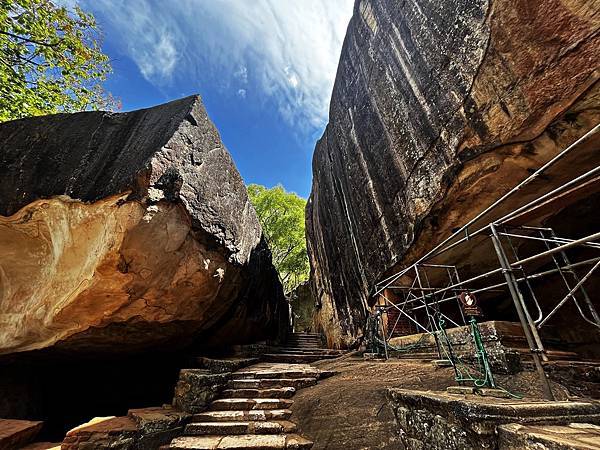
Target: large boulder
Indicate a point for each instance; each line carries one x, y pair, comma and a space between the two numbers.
127, 232
438, 108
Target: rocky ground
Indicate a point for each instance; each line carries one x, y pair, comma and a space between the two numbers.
349, 410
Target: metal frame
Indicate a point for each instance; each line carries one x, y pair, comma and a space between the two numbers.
420, 302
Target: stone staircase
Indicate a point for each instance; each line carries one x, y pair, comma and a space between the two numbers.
301, 348
253, 412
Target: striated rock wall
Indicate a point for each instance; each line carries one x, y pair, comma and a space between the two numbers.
438, 108
302, 304
124, 232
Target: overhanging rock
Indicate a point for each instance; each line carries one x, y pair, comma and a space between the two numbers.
122, 232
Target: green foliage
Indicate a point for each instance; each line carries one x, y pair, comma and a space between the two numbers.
50, 60
281, 215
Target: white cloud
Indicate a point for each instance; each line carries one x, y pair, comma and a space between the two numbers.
242, 74
287, 50
242, 93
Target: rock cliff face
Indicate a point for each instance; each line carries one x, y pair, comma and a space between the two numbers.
437, 109
302, 305
123, 232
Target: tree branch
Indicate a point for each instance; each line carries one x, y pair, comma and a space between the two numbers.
33, 41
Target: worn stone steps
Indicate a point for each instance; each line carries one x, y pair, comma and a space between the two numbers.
279, 392
253, 412
235, 404
225, 428
242, 441
252, 383
252, 415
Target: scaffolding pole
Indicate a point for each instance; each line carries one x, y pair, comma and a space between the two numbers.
513, 287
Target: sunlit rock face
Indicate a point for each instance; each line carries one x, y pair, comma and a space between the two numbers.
438, 108
127, 232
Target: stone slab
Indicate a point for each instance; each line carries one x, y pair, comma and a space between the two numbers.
244, 441
250, 403
252, 415
490, 392
284, 392
251, 441
18, 433
439, 420
577, 436
249, 383
195, 442
119, 433
463, 390
223, 365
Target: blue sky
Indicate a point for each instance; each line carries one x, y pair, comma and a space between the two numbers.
264, 68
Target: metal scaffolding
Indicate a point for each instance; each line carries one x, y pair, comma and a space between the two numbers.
426, 304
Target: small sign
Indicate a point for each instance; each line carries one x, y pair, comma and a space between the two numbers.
469, 304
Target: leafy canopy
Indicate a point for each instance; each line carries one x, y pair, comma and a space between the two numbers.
281, 215
50, 60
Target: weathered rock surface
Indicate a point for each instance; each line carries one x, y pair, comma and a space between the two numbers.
141, 429
579, 436
438, 108
121, 232
448, 421
197, 388
16, 434
303, 307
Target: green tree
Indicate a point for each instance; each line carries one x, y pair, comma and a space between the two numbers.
281, 215
50, 60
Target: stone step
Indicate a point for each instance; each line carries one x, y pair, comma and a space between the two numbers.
224, 428
251, 383
307, 345
303, 336
236, 404
312, 348
262, 374
283, 392
16, 433
252, 415
291, 357
311, 351
242, 441
310, 340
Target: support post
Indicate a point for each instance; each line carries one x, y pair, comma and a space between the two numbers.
514, 293
432, 325
383, 335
